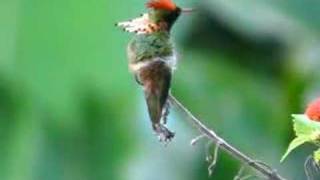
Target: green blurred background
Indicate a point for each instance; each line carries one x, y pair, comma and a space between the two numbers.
70, 110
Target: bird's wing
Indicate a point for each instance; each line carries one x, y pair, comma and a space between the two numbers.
156, 79
140, 25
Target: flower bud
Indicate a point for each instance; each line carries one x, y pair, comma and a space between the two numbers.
313, 110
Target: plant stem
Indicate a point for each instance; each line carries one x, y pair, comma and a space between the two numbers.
261, 167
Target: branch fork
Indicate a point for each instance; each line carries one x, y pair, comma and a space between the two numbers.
260, 167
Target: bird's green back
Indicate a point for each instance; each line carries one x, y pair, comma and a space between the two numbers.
146, 46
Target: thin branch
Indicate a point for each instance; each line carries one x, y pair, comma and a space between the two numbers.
214, 160
240, 172
197, 139
268, 173
241, 176
209, 156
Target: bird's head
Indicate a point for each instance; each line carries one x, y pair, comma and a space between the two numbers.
165, 11
162, 15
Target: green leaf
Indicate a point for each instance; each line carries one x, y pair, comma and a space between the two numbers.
294, 144
303, 126
305, 130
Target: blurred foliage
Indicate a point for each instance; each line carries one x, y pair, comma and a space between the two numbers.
69, 109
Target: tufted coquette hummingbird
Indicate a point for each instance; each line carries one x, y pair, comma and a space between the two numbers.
152, 58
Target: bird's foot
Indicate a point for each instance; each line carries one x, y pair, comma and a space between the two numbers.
164, 134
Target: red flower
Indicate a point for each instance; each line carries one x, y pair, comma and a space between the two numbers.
313, 110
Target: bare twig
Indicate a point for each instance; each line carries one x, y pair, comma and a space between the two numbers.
242, 176
209, 156
257, 166
240, 172
197, 139
247, 177
214, 160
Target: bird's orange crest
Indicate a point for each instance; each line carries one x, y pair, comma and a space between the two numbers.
161, 4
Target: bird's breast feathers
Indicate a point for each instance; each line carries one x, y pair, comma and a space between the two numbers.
170, 61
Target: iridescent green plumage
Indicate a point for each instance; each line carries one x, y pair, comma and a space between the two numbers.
147, 46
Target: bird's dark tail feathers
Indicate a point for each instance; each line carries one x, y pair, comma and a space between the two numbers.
156, 80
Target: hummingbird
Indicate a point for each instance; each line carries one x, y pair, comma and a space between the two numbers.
152, 58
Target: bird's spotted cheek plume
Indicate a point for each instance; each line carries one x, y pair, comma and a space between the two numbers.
140, 25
